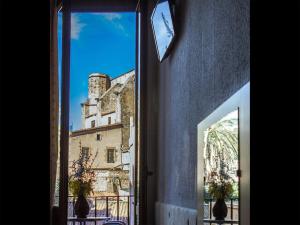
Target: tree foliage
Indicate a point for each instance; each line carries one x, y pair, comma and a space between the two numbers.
221, 147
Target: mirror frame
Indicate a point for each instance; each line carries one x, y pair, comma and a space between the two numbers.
239, 101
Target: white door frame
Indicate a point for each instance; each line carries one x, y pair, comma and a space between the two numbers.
241, 101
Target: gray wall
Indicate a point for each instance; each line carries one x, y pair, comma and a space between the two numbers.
209, 62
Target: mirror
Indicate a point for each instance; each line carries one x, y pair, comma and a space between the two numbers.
163, 28
220, 160
223, 164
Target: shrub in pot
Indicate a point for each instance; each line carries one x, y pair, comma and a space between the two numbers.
220, 188
81, 183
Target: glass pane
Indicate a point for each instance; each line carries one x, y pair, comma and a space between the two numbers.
102, 112
162, 25
221, 165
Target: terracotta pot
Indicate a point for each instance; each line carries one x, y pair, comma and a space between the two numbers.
220, 209
81, 207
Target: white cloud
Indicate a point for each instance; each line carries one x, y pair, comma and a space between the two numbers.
112, 16
114, 20
120, 26
76, 26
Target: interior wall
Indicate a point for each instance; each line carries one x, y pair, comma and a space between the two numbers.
208, 63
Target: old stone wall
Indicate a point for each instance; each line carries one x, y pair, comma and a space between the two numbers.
109, 100
117, 105
127, 102
111, 181
108, 139
98, 84
122, 79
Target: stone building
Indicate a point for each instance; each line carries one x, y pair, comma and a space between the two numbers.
107, 123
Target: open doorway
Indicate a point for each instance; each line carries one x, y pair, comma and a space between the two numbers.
102, 115
99, 98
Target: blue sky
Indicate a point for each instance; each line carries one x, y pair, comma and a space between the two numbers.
100, 42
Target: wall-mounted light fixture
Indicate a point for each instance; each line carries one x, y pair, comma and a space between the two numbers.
162, 20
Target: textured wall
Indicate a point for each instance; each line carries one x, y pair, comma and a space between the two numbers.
98, 84
127, 109
209, 62
109, 100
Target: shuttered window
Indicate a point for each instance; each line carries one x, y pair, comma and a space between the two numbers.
110, 155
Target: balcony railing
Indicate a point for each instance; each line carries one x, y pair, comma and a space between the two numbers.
232, 215
119, 208
113, 207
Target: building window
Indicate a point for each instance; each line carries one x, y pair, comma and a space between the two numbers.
98, 137
109, 120
85, 152
110, 155
93, 123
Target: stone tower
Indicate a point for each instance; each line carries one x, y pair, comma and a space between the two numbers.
98, 84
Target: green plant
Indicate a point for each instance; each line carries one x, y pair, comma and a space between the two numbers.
82, 176
235, 193
220, 158
220, 187
76, 185
221, 146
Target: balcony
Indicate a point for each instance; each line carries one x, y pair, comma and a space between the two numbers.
112, 207
232, 215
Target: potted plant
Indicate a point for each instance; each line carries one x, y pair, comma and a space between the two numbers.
220, 188
220, 162
81, 183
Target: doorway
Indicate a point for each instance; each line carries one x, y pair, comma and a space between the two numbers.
99, 98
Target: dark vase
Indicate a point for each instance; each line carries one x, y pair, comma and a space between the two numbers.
220, 209
81, 207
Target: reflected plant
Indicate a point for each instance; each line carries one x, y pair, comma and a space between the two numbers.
219, 186
221, 147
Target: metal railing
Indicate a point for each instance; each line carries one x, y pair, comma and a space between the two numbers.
114, 207
232, 206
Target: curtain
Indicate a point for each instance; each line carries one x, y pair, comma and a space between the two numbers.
54, 100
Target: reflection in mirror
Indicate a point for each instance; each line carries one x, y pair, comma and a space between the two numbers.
163, 29
221, 183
